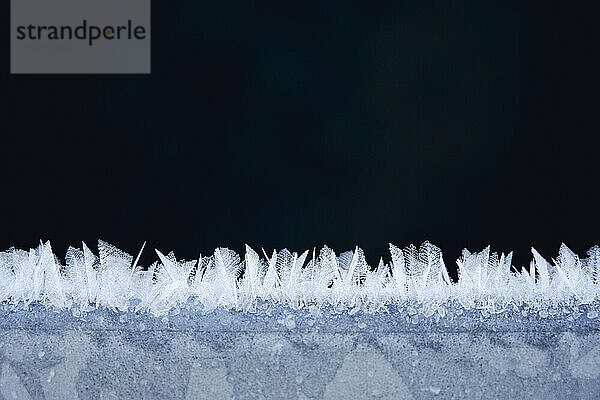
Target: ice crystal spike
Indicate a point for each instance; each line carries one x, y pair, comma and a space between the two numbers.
415, 277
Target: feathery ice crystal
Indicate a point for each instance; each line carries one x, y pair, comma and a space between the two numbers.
414, 275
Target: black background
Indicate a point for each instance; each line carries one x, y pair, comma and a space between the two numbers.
298, 124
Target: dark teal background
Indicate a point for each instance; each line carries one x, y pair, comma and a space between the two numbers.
297, 124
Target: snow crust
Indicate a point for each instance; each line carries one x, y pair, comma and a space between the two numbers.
412, 276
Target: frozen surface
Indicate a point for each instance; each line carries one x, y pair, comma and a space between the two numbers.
312, 353
315, 325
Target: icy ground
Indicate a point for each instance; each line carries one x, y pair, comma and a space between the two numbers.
311, 353
298, 326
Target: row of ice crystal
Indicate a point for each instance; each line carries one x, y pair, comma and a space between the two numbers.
115, 281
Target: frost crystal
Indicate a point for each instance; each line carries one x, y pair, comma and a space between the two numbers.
415, 277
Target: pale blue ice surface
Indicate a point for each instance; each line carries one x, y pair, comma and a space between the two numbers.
280, 353
298, 326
